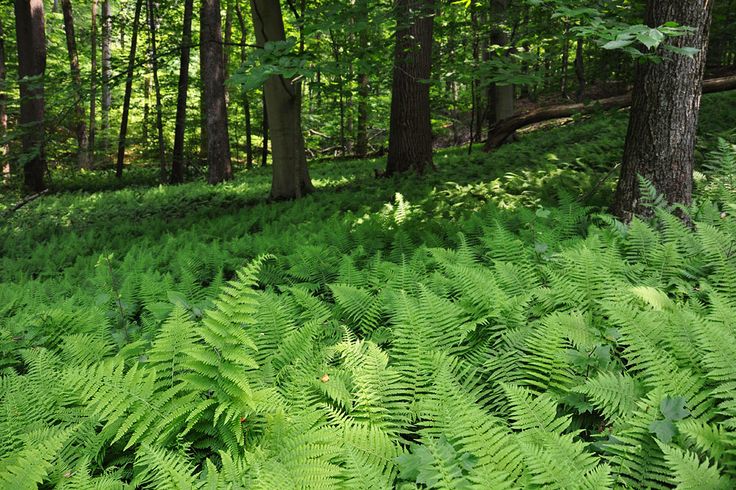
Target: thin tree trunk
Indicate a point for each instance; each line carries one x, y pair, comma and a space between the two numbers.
565, 59
157, 90
128, 91
660, 142
361, 140
228, 42
3, 109
246, 100
410, 128
580, 70
218, 145
93, 83
146, 110
177, 165
80, 124
106, 73
31, 44
340, 91
283, 105
202, 108
264, 132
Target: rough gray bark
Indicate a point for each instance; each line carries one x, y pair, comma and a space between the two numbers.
660, 141
410, 128
157, 91
128, 91
264, 132
177, 164
31, 43
106, 73
502, 96
80, 124
283, 105
218, 146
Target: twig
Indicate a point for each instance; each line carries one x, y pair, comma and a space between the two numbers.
25, 201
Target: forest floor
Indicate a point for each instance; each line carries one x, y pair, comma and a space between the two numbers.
486, 259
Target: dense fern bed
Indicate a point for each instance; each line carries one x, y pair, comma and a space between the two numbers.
485, 327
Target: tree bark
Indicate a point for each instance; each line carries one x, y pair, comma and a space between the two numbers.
177, 164
660, 142
218, 146
264, 132
361, 140
245, 98
565, 59
502, 96
31, 43
410, 127
3, 108
93, 83
80, 125
157, 91
580, 70
283, 106
128, 91
106, 73
500, 132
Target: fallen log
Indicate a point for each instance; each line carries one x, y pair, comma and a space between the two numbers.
502, 130
25, 201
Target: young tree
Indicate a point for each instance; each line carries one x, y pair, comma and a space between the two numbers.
151, 13
80, 123
245, 99
31, 42
283, 104
410, 133
128, 91
213, 74
106, 72
664, 114
3, 107
93, 82
177, 165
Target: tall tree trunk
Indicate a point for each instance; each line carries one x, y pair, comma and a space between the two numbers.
361, 140
660, 141
80, 124
3, 108
106, 73
340, 91
283, 105
128, 91
157, 90
146, 110
202, 108
177, 164
31, 43
227, 46
502, 95
410, 128
246, 100
580, 70
264, 132
93, 83
218, 144
565, 59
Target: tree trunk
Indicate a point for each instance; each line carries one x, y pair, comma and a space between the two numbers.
410, 133
283, 105
218, 146
128, 91
3, 108
177, 165
157, 91
565, 59
501, 131
340, 91
246, 100
226, 47
106, 73
361, 140
580, 70
80, 125
660, 142
502, 96
93, 83
146, 110
264, 132
31, 43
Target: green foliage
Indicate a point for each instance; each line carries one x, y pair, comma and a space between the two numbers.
453, 335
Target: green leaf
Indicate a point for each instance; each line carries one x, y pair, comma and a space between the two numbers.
617, 44
665, 430
674, 408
